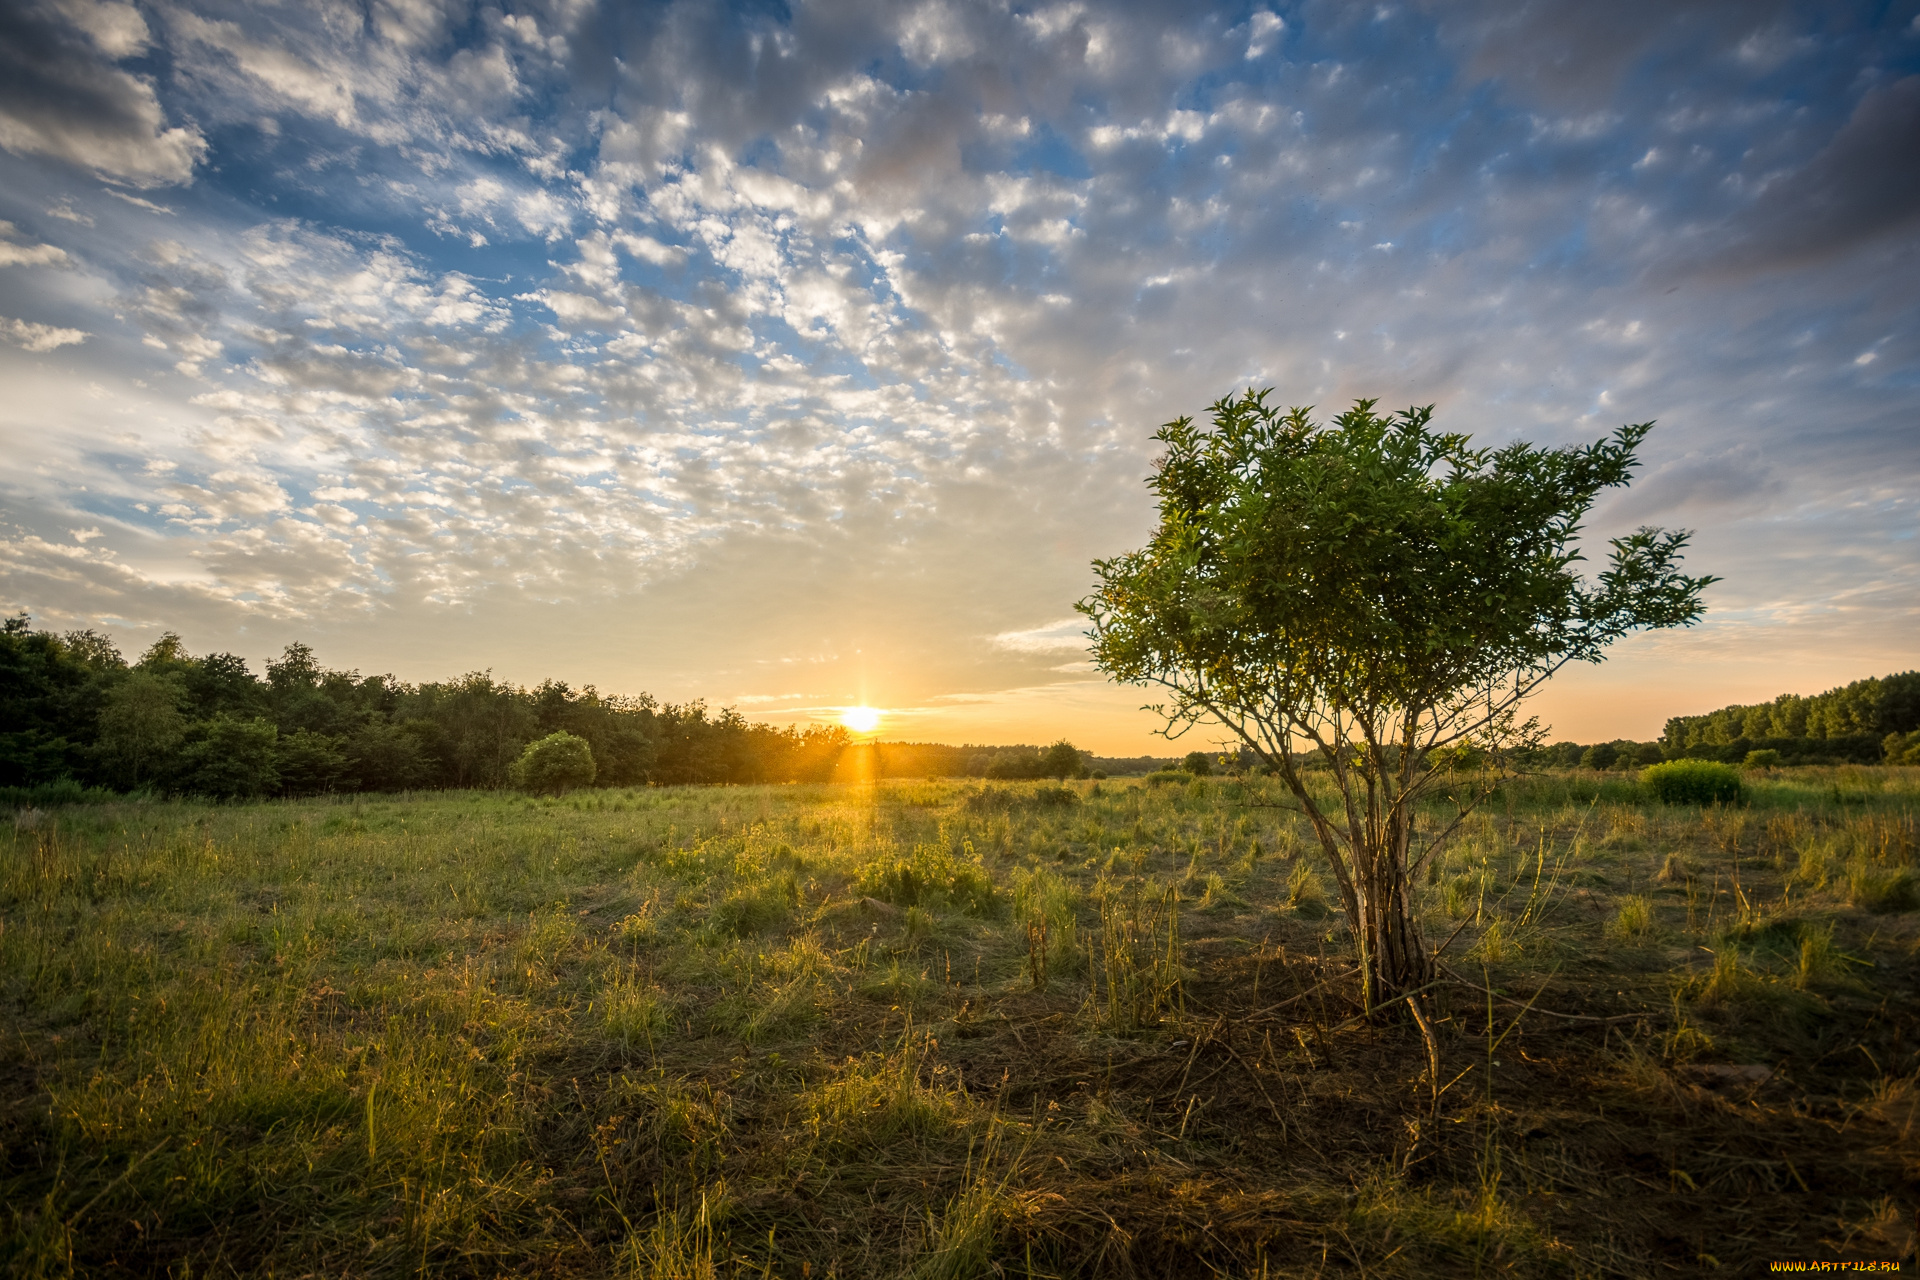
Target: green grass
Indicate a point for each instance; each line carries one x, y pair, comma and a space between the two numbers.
939, 1029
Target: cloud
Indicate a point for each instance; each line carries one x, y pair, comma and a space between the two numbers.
15, 252
848, 326
61, 96
1065, 636
1862, 185
40, 338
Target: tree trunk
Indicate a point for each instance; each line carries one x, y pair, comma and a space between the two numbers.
1393, 956
1373, 887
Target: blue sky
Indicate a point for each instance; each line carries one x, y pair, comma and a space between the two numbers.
793, 356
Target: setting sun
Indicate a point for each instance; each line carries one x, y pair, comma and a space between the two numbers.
861, 719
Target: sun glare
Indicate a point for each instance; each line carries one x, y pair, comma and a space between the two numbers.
860, 719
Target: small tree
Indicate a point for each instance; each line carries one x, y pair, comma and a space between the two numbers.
1062, 761
1372, 592
553, 764
1198, 763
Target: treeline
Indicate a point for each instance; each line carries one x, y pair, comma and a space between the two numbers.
1866, 721
73, 709
1061, 760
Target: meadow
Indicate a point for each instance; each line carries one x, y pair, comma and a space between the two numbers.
954, 1029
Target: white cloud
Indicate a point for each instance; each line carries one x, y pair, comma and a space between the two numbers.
896, 301
40, 338
1065, 636
14, 252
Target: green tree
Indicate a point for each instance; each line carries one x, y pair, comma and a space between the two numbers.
1371, 591
554, 763
1600, 755
1061, 760
1198, 763
232, 758
141, 724
52, 689
309, 764
385, 757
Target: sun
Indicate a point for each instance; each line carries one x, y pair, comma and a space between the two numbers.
860, 719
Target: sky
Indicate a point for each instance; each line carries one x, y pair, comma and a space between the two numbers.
803, 356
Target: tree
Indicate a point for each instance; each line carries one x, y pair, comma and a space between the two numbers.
554, 763
1062, 761
141, 723
51, 692
1600, 755
385, 757
1198, 763
1371, 592
309, 764
232, 758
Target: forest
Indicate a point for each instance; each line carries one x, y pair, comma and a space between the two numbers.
76, 714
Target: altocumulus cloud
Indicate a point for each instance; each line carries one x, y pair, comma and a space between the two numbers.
755, 336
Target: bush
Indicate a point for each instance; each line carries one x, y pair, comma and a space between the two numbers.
553, 764
1198, 763
1765, 758
1692, 782
931, 876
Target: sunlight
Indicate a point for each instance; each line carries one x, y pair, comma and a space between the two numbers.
860, 719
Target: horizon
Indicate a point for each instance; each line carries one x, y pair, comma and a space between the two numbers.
803, 362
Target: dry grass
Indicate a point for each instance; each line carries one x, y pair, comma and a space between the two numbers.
918, 1030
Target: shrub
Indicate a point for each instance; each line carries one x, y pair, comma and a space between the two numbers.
553, 764
931, 876
1692, 782
1198, 763
1765, 758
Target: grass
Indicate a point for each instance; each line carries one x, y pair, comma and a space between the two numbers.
937, 1029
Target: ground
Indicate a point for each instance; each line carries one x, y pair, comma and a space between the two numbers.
955, 1029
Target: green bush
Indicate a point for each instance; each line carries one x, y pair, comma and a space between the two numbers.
1765, 758
931, 876
553, 764
1692, 782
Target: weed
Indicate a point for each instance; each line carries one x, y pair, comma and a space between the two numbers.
1304, 892
931, 876
633, 1014
1135, 969
1819, 959
1675, 870
1633, 921
1881, 889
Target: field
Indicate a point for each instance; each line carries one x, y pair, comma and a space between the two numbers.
951, 1030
